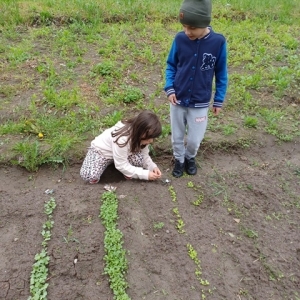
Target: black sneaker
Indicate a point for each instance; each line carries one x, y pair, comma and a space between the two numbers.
190, 166
178, 169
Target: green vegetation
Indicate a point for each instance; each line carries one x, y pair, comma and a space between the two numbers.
172, 193
198, 270
115, 258
158, 225
200, 196
39, 273
105, 62
179, 222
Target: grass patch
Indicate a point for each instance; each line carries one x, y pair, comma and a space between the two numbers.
64, 74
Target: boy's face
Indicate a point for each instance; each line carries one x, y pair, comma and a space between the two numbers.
194, 33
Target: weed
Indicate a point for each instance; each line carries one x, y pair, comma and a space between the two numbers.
132, 94
249, 233
28, 153
111, 119
251, 122
105, 69
274, 274
229, 129
166, 130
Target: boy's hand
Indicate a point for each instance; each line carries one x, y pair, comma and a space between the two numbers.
216, 110
172, 98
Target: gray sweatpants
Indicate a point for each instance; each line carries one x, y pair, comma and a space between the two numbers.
190, 120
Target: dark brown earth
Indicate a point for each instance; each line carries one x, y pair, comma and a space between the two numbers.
246, 231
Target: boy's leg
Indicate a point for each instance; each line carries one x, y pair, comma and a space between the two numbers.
178, 127
197, 123
93, 166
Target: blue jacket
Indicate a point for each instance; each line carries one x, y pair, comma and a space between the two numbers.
191, 67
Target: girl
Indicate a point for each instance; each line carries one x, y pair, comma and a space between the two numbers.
125, 145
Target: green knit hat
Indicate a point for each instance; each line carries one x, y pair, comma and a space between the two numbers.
196, 13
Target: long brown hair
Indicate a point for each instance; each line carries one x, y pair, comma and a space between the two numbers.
145, 125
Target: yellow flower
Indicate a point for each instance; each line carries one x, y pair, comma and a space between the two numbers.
40, 135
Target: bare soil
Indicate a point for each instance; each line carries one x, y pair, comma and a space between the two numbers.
246, 231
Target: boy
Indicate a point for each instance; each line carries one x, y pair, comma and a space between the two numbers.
197, 55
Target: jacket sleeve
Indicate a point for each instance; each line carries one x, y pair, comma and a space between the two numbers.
221, 76
120, 156
171, 69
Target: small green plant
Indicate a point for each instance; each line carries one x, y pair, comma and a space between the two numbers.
251, 122
70, 237
38, 278
158, 225
28, 154
190, 184
50, 206
198, 271
111, 119
39, 273
166, 130
172, 193
179, 222
116, 262
250, 233
132, 95
199, 200
105, 68
274, 273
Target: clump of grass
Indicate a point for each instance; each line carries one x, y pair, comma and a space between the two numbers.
251, 122
111, 119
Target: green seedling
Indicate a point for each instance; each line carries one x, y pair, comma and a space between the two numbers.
198, 270
50, 206
190, 184
179, 222
39, 273
158, 225
249, 233
116, 264
172, 193
199, 200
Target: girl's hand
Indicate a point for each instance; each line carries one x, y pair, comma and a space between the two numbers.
172, 98
157, 171
153, 175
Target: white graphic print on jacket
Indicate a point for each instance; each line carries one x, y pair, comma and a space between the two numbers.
208, 62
